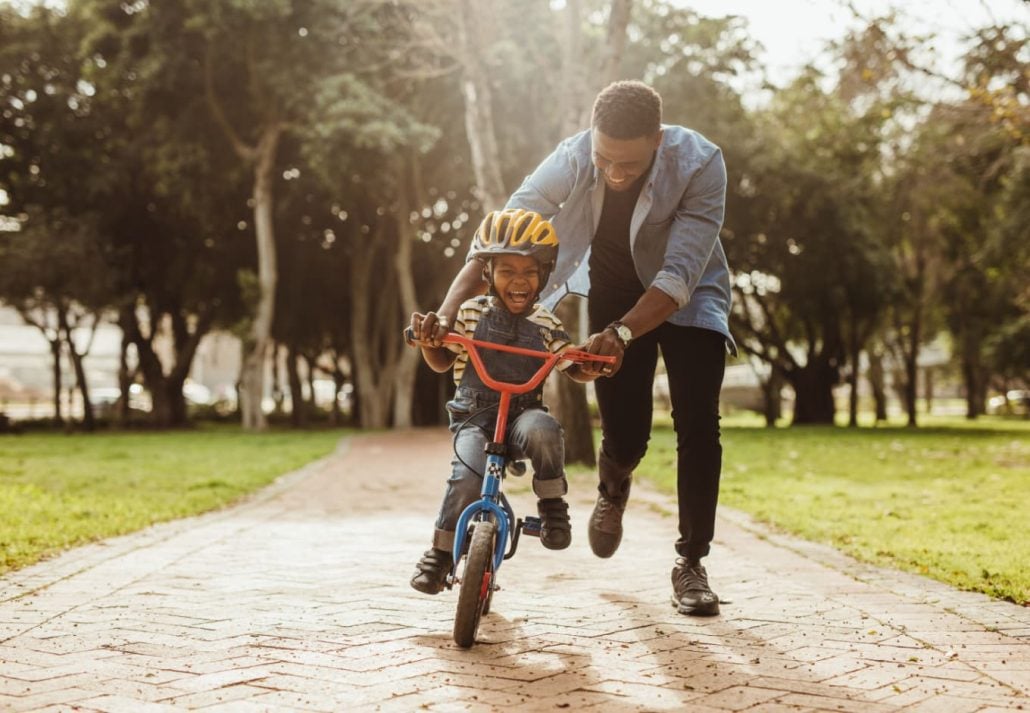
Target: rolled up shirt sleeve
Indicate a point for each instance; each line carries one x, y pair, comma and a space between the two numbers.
694, 231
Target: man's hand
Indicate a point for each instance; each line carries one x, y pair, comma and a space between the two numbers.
604, 343
429, 329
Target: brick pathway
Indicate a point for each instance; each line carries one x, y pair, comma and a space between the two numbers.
298, 600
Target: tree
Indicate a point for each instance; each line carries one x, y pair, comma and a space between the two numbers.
53, 273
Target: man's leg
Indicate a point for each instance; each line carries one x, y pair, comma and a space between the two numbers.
463, 488
695, 360
625, 403
537, 435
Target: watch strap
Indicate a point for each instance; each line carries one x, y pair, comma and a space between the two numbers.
622, 332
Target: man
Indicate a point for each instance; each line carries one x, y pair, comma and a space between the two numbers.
639, 206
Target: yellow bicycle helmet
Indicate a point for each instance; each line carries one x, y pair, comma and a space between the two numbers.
517, 232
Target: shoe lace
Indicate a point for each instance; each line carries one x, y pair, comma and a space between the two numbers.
693, 576
606, 505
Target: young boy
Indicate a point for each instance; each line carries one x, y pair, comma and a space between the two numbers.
518, 250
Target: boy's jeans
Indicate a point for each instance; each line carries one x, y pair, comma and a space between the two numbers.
533, 434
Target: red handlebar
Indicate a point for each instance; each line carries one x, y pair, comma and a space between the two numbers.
577, 356
505, 389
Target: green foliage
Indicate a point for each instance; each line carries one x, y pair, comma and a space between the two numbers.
59, 491
850, 200
946, 501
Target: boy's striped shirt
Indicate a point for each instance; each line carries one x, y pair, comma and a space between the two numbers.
555, 337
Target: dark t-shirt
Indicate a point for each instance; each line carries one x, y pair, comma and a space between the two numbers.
612, 272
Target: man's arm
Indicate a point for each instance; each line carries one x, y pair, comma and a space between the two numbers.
653, 308
694, 232
693, 236
467, 283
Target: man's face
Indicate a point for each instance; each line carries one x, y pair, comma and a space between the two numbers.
623, 161
516, 281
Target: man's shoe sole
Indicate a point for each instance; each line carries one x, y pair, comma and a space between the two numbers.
604, 544
711, 609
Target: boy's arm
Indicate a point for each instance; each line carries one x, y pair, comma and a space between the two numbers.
438, 358
558, 342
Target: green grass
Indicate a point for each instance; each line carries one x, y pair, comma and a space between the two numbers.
58, 491
950, 500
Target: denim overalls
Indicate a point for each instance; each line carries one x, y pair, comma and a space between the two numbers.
532, 432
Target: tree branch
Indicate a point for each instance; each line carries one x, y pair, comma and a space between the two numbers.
244, 151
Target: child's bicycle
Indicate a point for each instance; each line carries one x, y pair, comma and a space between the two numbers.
485, 527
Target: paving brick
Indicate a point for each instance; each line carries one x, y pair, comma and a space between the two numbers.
297, 599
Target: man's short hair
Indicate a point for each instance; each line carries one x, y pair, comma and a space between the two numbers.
627, 110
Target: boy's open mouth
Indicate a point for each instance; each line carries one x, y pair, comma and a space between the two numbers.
518, 298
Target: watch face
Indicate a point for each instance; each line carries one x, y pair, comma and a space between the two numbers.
624, 333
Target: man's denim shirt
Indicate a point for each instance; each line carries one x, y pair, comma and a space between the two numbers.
674, 233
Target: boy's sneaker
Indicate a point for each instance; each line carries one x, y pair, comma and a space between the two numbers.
690, 591
432, 570
555, 528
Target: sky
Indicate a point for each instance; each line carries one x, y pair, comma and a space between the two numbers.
793, 31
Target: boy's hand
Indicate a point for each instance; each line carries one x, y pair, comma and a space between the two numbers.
430, 328
604, 343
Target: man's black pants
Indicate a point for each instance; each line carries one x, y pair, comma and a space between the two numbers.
695, 361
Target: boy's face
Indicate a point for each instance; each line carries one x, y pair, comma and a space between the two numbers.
516, 281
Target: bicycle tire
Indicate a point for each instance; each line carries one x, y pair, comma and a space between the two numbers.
476, 582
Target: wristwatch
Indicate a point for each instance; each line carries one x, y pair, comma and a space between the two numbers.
623, 332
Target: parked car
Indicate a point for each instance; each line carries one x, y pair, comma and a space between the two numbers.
1013, 403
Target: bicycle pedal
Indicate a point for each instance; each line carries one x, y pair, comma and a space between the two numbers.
531, 526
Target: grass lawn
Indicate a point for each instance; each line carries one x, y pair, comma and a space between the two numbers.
950, 499
57, 491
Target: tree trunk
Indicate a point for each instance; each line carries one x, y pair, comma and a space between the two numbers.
475, 89
169, 404
335, 417
55, 354
618, 22
911, 381
125, 379
976, 388
771, 387
877, 384
309, 370
298, 410
570, 406
253, 378
407, 366
375, 340
854, 357
89, 422
813, 392
928, 388
278, 395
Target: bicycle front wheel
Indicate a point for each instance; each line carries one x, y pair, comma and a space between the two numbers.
476, 583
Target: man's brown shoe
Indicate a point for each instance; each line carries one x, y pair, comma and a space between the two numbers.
605, 530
